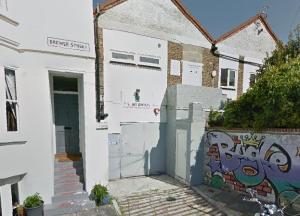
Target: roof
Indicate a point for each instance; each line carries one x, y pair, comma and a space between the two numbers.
261, 17
108, 4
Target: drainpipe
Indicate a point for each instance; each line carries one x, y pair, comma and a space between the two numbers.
100, 115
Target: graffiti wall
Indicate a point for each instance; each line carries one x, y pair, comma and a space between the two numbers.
268, 163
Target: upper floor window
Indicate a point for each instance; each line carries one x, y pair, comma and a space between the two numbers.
3, 5
227, 78
252, 80
11, 100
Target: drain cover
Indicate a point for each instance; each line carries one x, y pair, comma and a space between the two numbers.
170, 199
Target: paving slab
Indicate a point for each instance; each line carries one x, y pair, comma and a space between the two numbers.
102, 211
159, 195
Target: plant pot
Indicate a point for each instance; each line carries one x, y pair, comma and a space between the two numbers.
38, 211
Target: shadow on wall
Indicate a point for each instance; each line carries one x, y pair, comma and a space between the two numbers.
155, 162
197, 170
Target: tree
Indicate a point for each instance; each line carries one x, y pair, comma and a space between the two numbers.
274, 101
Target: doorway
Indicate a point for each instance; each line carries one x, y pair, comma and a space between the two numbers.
66, 112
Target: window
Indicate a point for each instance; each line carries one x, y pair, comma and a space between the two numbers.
11, 100
122, 57
3, 5
227, 78
252, 80
149, 62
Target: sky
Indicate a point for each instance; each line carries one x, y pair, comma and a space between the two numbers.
220, 16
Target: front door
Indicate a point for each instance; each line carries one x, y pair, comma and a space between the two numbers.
66, 116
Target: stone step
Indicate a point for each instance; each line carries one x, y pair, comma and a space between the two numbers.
68, 187
68, 179
69, 170
71, 196
66, 176
74, 164
68, 207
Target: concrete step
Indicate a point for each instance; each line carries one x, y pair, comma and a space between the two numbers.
68, 187
68, 179
74, 164
69, 197
69, 170
68, 207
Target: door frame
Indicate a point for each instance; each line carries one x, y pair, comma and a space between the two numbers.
79, 92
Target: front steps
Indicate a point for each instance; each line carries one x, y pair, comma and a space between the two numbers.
69, 195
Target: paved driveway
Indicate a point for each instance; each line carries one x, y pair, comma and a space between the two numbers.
159, 196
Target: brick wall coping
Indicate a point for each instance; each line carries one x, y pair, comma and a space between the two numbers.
266, 130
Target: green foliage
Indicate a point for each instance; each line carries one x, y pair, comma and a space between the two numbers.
99, 193
274, 101
217, 182
215, 119
33, 201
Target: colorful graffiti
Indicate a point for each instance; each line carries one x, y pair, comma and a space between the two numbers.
262, 163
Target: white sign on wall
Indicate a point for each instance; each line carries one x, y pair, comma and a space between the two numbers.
191, 73
68, 44
175, 68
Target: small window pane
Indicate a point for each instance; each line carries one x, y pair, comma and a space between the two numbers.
10, 84
252, 79
149, 60
65, 84
232, 78
122, 56
224, 76
11, 116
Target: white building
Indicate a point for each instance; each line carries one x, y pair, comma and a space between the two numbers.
47, 96
144, 46
242, 51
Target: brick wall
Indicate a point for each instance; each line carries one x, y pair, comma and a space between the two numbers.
240, 77
175, 52
210, 63
100, 58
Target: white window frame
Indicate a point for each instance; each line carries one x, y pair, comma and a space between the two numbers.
252, 73
3, 5
228, 79
149, 64
13, 101
119, 60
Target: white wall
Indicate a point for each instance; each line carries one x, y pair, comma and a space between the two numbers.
121, 81
249, 43
25, 27
153, 18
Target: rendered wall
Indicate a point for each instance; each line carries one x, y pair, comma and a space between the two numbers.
268, 162
153, 18
187, 112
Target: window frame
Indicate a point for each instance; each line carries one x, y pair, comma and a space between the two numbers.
228, 86
252, 74
15, 101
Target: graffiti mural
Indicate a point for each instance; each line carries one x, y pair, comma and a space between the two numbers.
263, 163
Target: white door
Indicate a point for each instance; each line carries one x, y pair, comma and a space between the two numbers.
181, 147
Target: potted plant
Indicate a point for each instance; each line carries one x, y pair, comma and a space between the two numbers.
34, 205
100, 195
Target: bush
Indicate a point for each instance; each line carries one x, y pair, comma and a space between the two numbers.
100, 195
273, 102
33, 201
215, 119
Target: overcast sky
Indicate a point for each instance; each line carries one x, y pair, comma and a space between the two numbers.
220, 16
